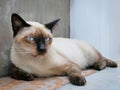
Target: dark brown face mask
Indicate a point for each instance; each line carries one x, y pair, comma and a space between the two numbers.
41, 46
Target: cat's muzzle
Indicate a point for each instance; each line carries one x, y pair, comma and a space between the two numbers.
41, 48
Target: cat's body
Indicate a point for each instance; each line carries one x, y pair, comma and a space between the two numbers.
36, 52
58, 55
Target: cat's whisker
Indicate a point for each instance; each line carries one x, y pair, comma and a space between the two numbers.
23, 52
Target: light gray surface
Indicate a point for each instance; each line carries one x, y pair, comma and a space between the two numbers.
107, 79
37, 10
97, 22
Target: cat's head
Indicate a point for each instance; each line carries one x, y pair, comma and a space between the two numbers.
31, 38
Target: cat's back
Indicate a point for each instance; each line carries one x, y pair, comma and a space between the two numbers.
66, 43
77, 51
72, 46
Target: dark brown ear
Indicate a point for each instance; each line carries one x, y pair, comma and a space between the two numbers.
51, 24
17, 23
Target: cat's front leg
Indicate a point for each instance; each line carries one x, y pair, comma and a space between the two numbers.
19, 74
75, 77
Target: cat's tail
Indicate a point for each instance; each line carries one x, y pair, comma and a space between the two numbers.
110, 63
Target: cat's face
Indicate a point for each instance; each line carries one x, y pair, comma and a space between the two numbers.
31, 37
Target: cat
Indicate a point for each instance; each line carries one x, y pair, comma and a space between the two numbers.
35, 53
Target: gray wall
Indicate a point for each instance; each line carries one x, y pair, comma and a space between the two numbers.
42, 11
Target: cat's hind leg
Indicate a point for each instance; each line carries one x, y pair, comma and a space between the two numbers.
103, 62
110, 63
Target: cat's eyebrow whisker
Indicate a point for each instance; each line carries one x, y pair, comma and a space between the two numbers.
23, 52
20, 49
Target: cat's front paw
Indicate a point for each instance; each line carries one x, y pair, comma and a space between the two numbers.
28, 77
19, 74
77, 79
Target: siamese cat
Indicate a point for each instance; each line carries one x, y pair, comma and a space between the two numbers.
35, 53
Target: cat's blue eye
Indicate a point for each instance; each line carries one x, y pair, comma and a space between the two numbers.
47, 40
30, 38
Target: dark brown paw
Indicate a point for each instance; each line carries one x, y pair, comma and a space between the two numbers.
111, 63
28, 77
19, 74
77, 80
100, 65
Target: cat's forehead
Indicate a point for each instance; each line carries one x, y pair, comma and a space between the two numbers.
35, 29
38, 27
35, 24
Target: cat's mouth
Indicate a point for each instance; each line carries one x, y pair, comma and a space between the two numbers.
38, 55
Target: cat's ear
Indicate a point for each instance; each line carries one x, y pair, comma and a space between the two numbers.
51, 24
17, 23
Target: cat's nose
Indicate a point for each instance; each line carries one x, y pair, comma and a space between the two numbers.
41, 48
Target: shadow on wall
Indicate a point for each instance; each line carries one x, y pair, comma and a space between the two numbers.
40, 10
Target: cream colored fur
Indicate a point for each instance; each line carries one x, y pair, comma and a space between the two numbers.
61, 53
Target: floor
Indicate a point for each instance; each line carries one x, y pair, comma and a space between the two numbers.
107, 79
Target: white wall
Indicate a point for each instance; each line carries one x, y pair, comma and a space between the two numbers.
97, 22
